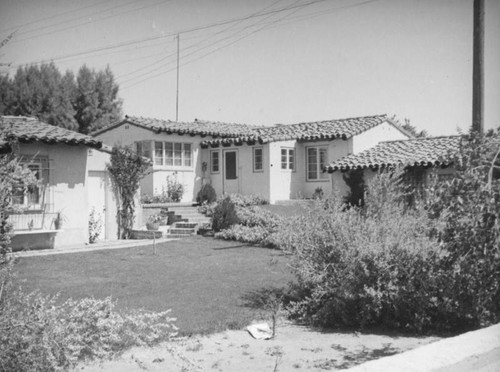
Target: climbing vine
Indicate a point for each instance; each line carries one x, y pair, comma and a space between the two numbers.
126, 169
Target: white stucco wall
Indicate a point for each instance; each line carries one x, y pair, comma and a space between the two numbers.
249, 181
66, 188
383, 132
126, 134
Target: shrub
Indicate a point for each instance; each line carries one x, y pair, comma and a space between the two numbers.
255, 225
356, 270
467, 214
247, 200
175, 189
246, 234
95, 226
37, 334
355, 180
431, 264
206, 194
255, 216
224, 214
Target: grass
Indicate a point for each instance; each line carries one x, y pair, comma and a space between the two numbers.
204, 281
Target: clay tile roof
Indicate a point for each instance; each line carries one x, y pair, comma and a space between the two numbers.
411, 152
310, 131
198, 127
28, 129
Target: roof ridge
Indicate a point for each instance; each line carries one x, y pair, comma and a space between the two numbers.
330, 120
423, 138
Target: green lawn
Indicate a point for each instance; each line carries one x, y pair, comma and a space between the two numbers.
204, 281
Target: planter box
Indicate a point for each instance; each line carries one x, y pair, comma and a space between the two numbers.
33, 240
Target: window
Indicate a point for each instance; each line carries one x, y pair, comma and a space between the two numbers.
316, 161
30, 196
214, 162
143, 148
258, 156
173, 154
288, 158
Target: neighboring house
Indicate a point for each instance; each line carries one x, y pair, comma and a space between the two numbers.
73, 181
419, 155
281, 162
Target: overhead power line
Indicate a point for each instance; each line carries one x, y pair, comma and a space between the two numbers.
86, 21
20, 25
184, 31
125, 83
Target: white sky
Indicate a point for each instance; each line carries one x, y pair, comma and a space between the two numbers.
332, 59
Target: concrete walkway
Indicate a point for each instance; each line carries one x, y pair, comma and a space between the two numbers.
472, 351
102, 245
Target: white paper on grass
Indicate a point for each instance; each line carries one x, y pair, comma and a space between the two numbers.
260, 331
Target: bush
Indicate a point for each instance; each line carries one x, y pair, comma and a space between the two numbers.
361, 270
255, 216
467, 214
254, 225
175, 189
246, 234
433, 264
171, 194
37, 334
224, 214
95, 226
206, 194
247, 200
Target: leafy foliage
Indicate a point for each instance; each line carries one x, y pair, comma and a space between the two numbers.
224, 214
85, 103
13, 175
247, 200
206, 194
40, 335
172, 193
126, 169
175, 189
255, 225
356, 182
467, 212
95, 226
432, 265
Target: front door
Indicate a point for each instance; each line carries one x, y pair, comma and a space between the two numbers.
231, 181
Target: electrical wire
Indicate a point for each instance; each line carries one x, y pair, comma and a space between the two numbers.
157, 37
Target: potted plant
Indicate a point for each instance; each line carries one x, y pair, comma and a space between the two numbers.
153, 222
58, 221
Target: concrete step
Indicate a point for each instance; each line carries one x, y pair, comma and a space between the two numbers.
181, 231
185, 225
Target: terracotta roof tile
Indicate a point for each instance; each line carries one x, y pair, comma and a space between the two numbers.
411, 152
310, 131
28, 129
198, 127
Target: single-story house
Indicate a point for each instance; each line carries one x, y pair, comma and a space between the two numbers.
71, 168
418, 155
280, 162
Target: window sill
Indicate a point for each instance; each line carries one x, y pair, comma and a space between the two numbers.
322, 180
172, 168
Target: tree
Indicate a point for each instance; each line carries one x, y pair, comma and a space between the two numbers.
85, 104
97, 103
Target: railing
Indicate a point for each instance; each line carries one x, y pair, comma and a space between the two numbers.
33, 221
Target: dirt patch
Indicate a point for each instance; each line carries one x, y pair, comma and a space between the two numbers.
294, 349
